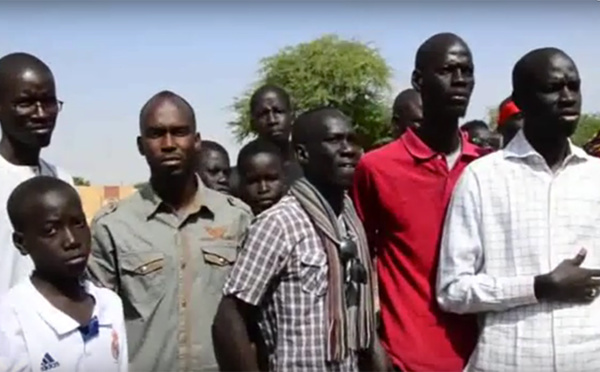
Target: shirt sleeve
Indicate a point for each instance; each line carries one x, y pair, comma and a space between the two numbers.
13, 350
102, 267
363, 194
262, 256
462, 283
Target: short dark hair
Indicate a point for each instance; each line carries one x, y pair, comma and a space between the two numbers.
166, 95
303, 126
261, 91
521, 74
431, 45
14, 63
21, 198
253, 148
208, 146
474, 124
407, 95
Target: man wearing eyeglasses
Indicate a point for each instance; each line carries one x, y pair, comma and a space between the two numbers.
479, 134
304, 270
28, 111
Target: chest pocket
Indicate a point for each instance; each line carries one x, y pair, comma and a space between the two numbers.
313, 272
219, 257
143, 280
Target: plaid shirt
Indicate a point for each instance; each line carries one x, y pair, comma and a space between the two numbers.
282, 268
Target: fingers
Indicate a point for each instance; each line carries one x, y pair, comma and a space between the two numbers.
592, 273
578, 260
591, 293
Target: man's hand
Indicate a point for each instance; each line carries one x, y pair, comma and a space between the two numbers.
569, 282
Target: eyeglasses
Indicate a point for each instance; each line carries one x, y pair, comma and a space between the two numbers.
494, 142
356, 273
29, 106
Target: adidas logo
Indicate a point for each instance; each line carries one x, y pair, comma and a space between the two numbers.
48, 363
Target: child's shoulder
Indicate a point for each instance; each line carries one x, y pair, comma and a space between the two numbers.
16, 295
12, 303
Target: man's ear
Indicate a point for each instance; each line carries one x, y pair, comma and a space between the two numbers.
140, 148
197, 142
18, 241
301, 153
417, 80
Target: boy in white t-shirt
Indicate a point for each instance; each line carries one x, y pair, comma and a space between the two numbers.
28, 112
55, 320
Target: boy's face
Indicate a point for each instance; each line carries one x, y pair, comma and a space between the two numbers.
56, 234
262, 181
214, 171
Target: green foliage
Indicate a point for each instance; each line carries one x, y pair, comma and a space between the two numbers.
589, 125
492, 117
330, 71
80, 181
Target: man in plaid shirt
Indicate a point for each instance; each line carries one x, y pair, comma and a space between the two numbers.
285, 278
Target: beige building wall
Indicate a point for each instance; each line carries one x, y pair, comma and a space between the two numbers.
95, 197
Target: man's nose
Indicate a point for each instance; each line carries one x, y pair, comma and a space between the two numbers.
271, 118
167, 143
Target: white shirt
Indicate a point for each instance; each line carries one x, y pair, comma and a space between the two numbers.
452, 158
511, 218
36, 336
14, 267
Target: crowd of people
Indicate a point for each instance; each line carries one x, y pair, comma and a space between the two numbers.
452, 247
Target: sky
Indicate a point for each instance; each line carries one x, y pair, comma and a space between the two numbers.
109, 57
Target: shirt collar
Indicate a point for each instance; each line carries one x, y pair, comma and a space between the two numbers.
418, 149
154, 203
60, 322
520, 148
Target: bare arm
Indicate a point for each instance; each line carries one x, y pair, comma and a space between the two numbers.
261, 258
232, 342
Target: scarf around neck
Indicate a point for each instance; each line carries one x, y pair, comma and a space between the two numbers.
348, 328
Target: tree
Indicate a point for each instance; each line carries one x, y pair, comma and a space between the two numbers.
492, 117
80, 181
327, 71
589, 125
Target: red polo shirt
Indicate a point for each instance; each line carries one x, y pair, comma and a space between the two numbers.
401, 192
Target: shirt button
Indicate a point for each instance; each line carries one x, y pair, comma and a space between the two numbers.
183, 265
144, 268
183, 303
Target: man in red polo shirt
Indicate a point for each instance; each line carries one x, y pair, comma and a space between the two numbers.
401, 192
